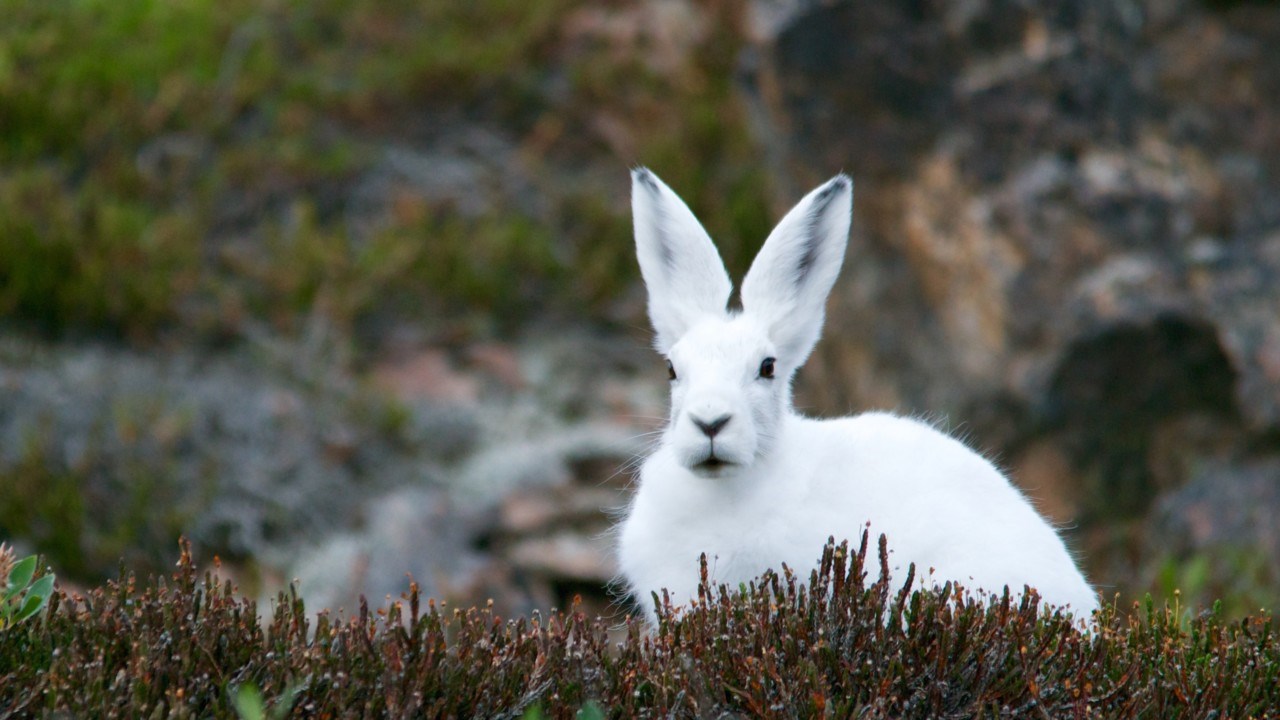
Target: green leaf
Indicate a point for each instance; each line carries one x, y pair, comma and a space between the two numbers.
591, 711
42, 587
30, 607
248, 703
20, 575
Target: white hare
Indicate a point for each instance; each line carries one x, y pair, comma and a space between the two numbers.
740, 476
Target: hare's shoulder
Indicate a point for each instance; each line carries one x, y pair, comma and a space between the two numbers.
883, 444
878, 428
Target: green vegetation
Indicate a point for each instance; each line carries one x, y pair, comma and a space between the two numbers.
837, 646
250, 705
92, 513
89, 258
186, 167
1237, 581
22, 595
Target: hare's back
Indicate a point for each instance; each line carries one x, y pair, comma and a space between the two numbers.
886, 451
944, 506
908, 476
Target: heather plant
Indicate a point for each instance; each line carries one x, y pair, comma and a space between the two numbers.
846, 641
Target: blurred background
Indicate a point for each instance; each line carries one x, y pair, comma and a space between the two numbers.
345, 289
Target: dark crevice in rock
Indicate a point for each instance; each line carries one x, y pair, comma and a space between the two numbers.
1115, 390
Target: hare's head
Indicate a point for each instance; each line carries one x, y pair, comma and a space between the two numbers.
731, 370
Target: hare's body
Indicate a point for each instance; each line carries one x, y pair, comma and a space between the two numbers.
742, 478
843, 476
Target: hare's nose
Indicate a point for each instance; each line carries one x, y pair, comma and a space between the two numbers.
711, 428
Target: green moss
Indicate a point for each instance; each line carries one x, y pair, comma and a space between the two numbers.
367, 56
95, 76
489, 263
690, 128
91, 258
602, 264
145, 136
494, 265
94, 237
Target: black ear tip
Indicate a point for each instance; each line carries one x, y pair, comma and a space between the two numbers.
835, 186
642, 175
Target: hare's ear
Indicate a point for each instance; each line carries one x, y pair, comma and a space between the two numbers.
681, 268
787, 286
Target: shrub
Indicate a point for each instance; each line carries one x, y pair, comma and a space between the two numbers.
836, 646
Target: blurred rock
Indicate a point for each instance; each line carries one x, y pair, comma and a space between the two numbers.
427, 375
543, 461
409, 533
1224, 504
558, 538
450, 163
1216, 536
546, 541
444, 431
274, 460
243, 454
564, 557
522, 518
1065, 234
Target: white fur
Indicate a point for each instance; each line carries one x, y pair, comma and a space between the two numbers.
785, 483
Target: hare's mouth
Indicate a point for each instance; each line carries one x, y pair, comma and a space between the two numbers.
712, 465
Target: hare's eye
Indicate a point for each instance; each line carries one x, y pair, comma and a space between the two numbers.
766, 368
671, 370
